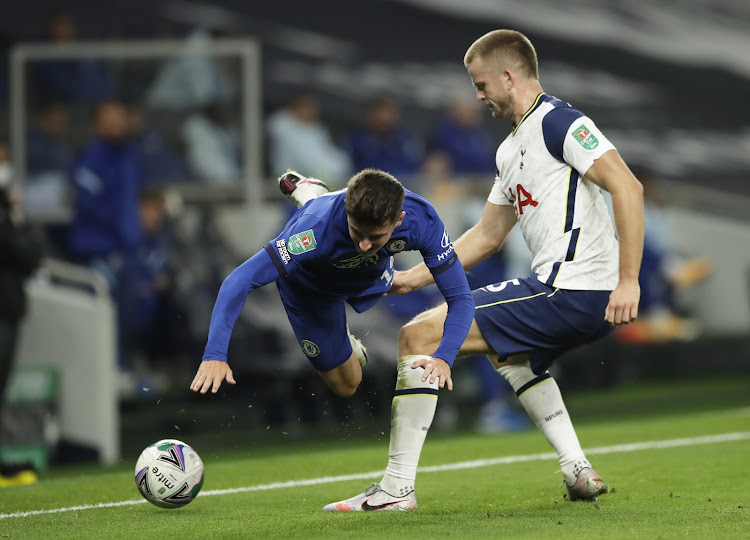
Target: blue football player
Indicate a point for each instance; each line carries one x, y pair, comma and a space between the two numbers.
338, 248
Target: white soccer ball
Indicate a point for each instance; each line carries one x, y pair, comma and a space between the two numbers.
169, 473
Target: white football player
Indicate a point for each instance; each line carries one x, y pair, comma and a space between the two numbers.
550, 170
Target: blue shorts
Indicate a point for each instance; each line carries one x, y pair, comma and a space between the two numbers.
526, 316
319, 324
319, 320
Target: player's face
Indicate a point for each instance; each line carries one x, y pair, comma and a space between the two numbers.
368, 240
490, 88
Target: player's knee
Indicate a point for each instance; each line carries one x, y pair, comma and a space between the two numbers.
410, 339
345, 389
422, 334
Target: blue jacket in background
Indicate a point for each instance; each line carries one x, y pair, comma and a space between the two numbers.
107, 180
471, 151
398, 152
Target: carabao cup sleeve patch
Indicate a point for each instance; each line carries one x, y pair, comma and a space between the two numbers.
301, 242
583, 135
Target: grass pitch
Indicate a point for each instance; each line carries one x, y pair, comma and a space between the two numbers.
690, 487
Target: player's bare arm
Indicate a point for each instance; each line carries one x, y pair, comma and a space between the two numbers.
487, 236
610, 173
482, 240
211, 373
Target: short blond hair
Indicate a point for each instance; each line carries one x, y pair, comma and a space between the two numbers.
507, 48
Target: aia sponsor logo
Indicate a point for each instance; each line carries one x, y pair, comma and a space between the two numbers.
520, 199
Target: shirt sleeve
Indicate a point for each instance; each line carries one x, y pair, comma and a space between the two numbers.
572, 137
452, 283
298, 242
497, 194
255, 272
433, 242
584, 144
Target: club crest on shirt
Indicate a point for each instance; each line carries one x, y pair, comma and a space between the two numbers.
301, 242
396, 245
310, 348
583, 135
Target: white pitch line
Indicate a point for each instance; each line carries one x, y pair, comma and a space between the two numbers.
633, 447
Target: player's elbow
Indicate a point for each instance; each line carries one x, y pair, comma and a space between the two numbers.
637, 188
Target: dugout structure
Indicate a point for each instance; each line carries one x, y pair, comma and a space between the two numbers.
131, 60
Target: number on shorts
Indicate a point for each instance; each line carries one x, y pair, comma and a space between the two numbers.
497, 287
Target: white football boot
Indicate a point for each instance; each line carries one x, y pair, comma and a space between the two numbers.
300, 188
585, 485
360, 351
374, 499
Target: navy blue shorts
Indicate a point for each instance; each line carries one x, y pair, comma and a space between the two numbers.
319, 323
526, 316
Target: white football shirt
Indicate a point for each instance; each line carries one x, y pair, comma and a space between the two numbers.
563, 216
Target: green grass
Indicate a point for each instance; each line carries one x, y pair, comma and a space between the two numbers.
699, 491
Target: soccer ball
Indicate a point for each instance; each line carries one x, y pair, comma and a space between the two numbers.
169, 473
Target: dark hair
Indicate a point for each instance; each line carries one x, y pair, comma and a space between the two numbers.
374, 198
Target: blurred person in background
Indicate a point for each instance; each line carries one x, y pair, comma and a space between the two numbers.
550, 172
196, 77
298, 140
212, 142
77, 80
384, 143
47, 150
49, 160
461, 140
159, 325
20, 255
338, 249
159, 162
105, 233
664, 274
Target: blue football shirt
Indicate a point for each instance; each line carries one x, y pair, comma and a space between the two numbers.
314, 251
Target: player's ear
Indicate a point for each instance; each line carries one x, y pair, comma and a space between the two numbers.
401, 218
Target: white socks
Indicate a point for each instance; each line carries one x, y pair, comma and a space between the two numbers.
414, 407
542, 400
411, 416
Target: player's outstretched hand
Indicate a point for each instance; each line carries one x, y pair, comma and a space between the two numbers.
623, 303
435, 368
211, 374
